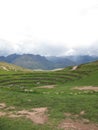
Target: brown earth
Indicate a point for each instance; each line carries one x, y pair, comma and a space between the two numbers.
74, 116
37, 115
2, 114
73, 122
2, 105
69, 124
48, 86
87, 88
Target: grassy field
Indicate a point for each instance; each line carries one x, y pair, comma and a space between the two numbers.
22, 89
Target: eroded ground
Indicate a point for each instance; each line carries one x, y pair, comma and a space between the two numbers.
40, 116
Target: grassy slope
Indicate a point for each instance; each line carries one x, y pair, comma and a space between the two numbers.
59, 100
6, 67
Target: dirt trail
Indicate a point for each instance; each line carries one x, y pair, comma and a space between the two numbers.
74, 68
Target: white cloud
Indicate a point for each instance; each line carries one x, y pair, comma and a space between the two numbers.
57, 21
46, 49
7, 47
48, 27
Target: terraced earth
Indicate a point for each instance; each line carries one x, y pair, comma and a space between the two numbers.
24, 93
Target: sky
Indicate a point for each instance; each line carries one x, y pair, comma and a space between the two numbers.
49, 27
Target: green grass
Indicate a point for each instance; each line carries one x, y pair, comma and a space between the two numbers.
59, 100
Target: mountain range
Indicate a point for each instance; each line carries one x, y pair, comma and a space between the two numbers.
32, 61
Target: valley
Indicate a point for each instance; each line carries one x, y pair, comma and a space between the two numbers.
63, 99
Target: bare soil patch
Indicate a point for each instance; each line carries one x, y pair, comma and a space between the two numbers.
47, 86
2, 105
87, 88
75, 116
2, 114
4, 68
69, 124
10, 108
37, 115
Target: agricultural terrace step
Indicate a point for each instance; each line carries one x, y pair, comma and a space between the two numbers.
45, 74
54, 81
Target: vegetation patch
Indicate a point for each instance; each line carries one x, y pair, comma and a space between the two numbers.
49, 98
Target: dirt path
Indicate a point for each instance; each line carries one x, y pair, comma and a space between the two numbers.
74, 68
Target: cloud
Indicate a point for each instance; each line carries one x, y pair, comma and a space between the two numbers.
7, 47
43, 48
54, 20
29, 47
47, 49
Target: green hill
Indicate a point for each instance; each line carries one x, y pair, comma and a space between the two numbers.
64, 99
6, 67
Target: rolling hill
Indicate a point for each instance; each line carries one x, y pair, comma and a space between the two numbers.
11, 67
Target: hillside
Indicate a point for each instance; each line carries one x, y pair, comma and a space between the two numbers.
50, 100
29, 61
11, 67
32, 61
61, 62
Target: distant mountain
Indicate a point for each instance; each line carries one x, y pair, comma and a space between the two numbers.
72, 60
82, 59
31, 61
61, 62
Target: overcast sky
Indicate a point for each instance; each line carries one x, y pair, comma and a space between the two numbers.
49, 27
